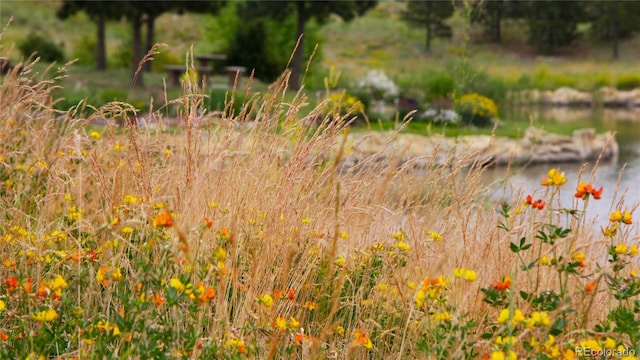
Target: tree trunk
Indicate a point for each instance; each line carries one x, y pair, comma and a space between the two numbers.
498, 25
296, 64
150, 36
428, 27
616, 37
101, 46
136, 23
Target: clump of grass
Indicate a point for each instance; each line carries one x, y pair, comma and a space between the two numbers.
243, 235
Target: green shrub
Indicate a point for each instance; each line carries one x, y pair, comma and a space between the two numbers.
475, 109
602, 80
218, 99
113, 94
165, 58
85, 50
628, 82
440, 86
47, 50
486, 85
121, 58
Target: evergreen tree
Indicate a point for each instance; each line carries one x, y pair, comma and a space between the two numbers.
430, 14
256, 13
614, 21
492, 14
99, 12
552, 24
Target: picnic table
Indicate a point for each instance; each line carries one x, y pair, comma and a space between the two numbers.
233, 72
211, 58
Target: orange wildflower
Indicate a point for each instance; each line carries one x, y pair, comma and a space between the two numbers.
300, 338
584, 190
11, 282
310, 305
291, 295
579, 258
3, 336
590, 286
538, 204
207, 223
9, 263
619, 216
163, 219
361, 339
28, 285
43, 291
158, 300
502, 285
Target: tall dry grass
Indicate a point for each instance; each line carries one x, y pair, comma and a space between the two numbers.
306, 258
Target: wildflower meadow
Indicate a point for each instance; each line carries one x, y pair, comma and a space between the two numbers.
241, 235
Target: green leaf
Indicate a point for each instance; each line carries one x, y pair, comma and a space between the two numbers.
557, 327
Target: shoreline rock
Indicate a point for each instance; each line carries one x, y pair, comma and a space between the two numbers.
536, 147
566, 96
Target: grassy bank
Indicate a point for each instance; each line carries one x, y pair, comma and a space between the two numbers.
234, 241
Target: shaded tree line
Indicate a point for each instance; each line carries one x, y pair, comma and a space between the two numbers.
549, 24
250, 43
553, 24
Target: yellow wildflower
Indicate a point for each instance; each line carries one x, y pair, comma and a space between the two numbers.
75, 214
293, 323
266, 300
515, 316
177, 284
501, 355
130, 199
621, 249
45, 316
420, 298
507, 340
545, 261
399, 236
280, 323
435, 236
95, 135
58, 283
402, 246
444, 316
554, 178
468, 275
127, 230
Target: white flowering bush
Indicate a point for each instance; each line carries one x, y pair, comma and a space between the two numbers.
378, 84
441, 116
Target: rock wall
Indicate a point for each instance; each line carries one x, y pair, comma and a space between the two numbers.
536, 146
565, 96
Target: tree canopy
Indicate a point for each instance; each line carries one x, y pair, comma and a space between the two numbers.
256, 12
430, 14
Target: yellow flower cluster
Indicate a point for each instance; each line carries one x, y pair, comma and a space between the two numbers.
462, 273
476, 109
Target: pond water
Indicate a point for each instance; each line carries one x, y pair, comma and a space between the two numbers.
625, 169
